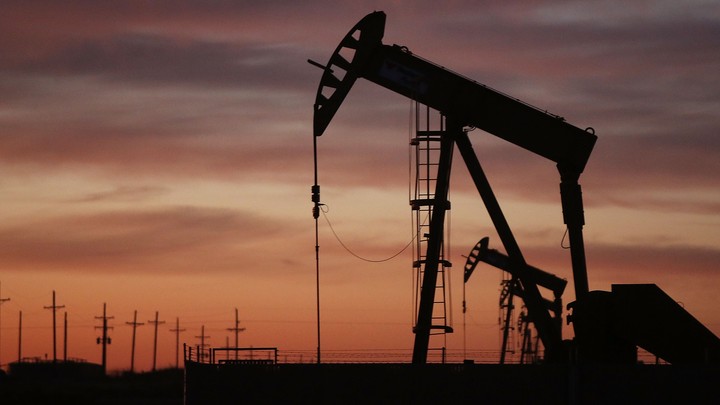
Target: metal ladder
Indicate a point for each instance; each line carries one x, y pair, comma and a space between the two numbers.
426, 144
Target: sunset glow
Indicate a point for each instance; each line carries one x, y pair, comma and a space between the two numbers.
157, 156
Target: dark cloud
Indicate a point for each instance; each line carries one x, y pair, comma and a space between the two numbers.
672, 159
147, 60
613, 74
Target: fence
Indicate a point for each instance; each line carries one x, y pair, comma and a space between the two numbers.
272, 355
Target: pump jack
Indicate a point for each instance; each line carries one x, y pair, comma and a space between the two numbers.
466, 103
482, 253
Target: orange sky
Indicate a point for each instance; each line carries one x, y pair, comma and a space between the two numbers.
157, 157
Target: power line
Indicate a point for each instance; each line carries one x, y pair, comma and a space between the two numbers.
337, 237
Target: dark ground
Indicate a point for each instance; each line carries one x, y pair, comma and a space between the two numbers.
164, 387
377, 384
451, 384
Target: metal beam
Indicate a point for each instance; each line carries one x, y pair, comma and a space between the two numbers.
548, 333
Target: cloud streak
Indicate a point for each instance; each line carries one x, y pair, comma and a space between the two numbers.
172, 240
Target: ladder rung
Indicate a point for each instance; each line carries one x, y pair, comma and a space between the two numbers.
431, 133
422, 260
427, 202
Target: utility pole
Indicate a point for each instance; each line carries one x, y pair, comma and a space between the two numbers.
104, 340
20, 339
177, 331
54, 309
2, 301
134, 324
65, 327
237, 330
156, 322
202, 338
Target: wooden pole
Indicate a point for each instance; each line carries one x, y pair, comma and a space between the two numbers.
156, 322
20, 339
65, 330
134, 324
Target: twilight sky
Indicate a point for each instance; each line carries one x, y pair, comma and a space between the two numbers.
157, 156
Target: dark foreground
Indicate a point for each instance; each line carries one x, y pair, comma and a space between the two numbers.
159, 388
378, 384
450, 384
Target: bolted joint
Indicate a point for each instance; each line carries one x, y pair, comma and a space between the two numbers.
315, 193
316, 199
571, 198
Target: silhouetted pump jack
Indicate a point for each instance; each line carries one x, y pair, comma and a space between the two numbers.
466, 103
